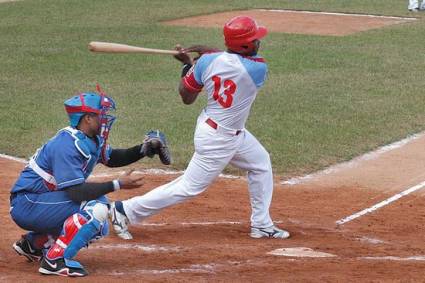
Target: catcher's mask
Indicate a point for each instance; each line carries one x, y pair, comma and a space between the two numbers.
240, 34
89, 102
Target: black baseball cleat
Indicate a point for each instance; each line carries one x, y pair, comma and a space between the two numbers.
24, 247
62, 267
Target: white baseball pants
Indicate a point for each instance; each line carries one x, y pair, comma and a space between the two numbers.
414, 4
214, 149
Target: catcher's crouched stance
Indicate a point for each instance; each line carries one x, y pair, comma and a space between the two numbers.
51, 197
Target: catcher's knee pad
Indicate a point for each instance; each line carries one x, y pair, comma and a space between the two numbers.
96, 210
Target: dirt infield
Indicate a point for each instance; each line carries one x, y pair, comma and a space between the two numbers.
301, 22
206, 239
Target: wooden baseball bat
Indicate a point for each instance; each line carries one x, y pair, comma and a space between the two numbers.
109, 47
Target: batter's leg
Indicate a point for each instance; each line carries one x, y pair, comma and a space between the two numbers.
212, 153
253, 157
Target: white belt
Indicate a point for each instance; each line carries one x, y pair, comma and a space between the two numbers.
43, 174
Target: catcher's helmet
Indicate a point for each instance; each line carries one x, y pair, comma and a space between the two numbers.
240, 33
90, 102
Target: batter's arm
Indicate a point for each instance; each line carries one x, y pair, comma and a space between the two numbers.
187, 96
188, 87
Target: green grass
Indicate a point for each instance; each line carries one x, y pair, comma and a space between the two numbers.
327, 99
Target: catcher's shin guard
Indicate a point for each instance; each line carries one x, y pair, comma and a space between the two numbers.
95, 228
70, 228
79, 230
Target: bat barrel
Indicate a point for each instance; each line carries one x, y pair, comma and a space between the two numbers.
109, 47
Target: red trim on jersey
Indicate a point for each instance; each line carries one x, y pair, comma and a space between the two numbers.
191, 84
212, 51
255, 59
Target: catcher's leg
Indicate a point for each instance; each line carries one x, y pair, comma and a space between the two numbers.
79, 229
254, 158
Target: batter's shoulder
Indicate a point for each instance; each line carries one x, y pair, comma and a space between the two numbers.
256, 68
208, 57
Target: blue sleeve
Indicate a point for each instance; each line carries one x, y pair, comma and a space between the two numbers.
256, 70
201, 65
67, 165
262, 76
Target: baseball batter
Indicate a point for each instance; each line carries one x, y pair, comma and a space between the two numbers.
231, 80
51, 197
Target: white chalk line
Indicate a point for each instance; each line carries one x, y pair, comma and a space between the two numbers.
194, 223
195, 268
6, 1
202, 223
144, 248
154, 171
293, 181
150, 171
17, 159
396, 258
380, 204
353, 162
373, 241
339, 14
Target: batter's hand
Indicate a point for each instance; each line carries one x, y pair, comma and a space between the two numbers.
129, 181
183, 56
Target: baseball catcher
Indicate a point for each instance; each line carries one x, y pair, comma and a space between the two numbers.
52, 198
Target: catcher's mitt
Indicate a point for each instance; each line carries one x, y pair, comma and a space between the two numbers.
155, 143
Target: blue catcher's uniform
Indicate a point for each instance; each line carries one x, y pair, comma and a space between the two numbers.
39, 202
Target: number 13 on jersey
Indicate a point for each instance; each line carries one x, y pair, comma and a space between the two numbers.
226, 99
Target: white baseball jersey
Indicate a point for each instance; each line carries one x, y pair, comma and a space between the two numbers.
231, 82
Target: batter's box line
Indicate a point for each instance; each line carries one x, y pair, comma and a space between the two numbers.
381, 204
354, 162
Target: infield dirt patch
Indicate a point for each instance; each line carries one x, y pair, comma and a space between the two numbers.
206, 238
301, 22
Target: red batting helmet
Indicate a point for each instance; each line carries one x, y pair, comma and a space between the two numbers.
240, 32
